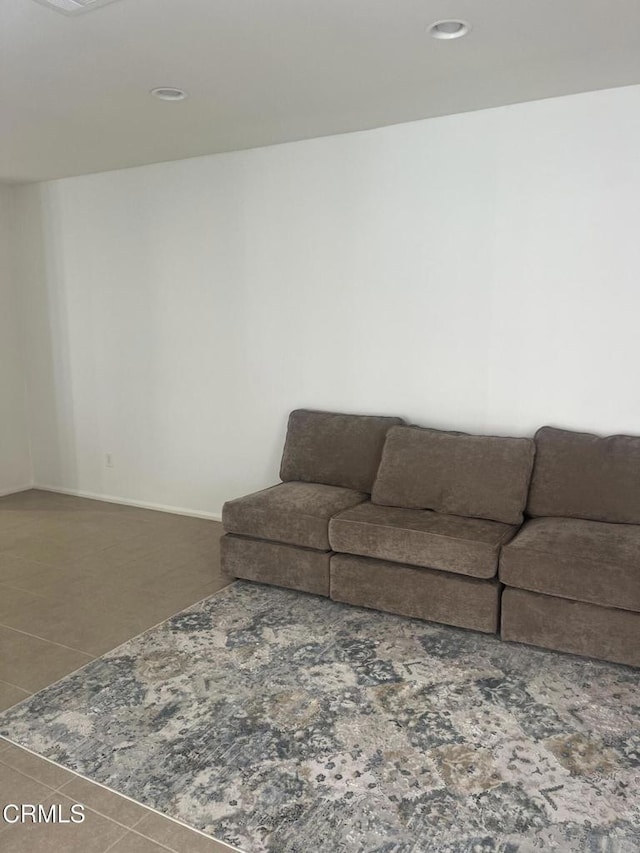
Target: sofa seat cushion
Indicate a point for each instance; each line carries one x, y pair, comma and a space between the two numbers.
590, 561
466, 546
475, 476
296, 513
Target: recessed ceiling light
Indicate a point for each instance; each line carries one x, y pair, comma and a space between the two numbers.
169, 93
453, 29
74, 7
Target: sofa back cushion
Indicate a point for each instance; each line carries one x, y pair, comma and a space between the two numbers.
478, 476
334, 449
579, 475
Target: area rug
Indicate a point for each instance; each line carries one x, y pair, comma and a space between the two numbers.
282, 722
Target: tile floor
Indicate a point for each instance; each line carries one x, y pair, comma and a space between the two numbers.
77, 578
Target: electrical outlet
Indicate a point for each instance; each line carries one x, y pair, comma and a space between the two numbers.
108, 460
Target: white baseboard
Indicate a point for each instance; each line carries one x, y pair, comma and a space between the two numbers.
15, 490
112, 499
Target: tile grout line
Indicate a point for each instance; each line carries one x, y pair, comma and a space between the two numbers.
164, 846
27, 775
76, 560
111, 791
86, 778
7, 552
147, 525
61, 790
44, 596
62, 598
103, 654
146, 837
53, 643
16, 686
117, 841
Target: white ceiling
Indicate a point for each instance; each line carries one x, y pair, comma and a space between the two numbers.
74, 90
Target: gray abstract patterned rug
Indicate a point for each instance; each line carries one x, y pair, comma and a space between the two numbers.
281, 722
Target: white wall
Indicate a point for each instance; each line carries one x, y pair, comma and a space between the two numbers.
477, 271
15, 462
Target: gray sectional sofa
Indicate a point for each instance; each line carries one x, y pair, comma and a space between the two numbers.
536, 538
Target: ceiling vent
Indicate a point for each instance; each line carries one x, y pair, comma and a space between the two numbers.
74, 7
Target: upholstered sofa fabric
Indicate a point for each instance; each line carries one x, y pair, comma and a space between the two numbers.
580, 475
334, 449
589, 561
468, 546
571, 626
476, 476
420, 593
296, 513
428, 524
273, 562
